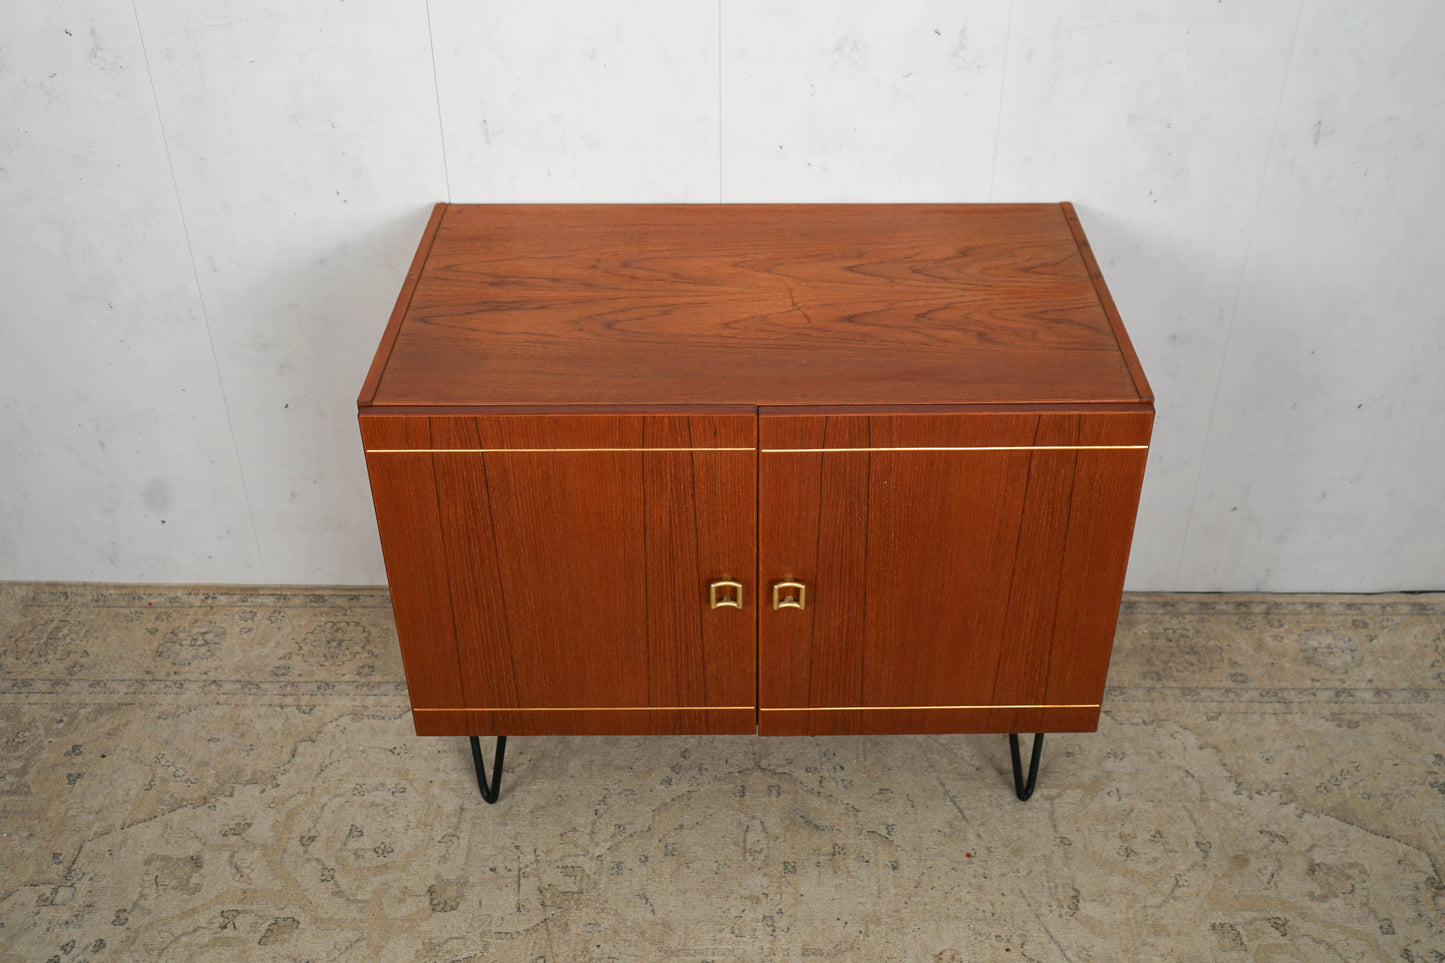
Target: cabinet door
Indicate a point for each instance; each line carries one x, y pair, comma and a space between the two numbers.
550, 573
962, 570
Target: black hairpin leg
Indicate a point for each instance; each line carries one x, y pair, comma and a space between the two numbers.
490, 795
1025, 789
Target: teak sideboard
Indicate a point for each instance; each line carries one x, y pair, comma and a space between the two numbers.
784, 469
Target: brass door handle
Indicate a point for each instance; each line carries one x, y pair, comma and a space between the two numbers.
723, 594
789, 595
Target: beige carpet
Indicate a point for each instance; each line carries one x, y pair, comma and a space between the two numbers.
207, 773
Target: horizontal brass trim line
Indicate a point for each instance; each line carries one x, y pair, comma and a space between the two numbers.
1088, 705
440, 451
784, 451
595, 709
765, 451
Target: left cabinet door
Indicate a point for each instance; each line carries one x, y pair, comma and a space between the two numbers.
550, 573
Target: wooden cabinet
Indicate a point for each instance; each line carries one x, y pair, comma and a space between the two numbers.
927, 416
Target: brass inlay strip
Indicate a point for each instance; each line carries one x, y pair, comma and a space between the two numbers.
437, 451
784, 451
594, 709
765, 451
1084, 705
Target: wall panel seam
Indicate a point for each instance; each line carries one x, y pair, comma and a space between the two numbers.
200, 292
7, 511
437, 89
1238, 291
1002, 92
719, 103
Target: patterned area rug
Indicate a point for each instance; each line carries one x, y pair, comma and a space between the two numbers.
207, 773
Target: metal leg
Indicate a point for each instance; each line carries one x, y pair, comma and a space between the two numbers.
490, 795
1025, 789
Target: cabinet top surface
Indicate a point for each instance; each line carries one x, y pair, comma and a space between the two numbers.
754, 305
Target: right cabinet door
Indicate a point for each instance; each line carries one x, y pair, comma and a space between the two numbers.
962, 570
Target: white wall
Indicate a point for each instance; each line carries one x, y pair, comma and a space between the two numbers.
207, 209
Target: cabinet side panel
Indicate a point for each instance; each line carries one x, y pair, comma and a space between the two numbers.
403, 489
1105, 499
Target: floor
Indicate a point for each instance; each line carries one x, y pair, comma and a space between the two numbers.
210, 773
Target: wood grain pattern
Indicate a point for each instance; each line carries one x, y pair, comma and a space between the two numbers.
408, 516
943, 578
1105, 499
578, 578
755, 304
